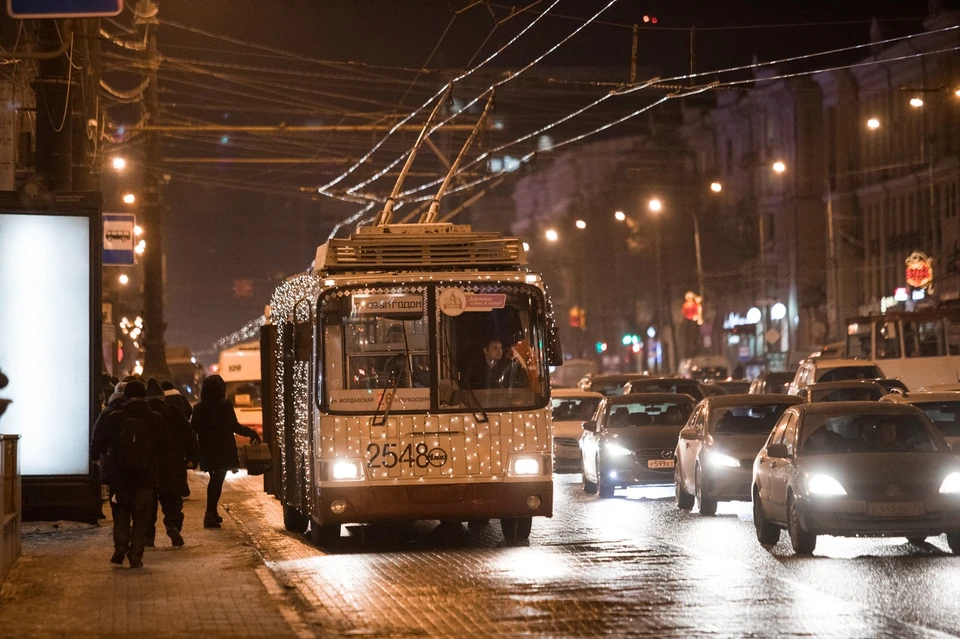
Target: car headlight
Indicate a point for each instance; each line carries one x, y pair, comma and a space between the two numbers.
824, 485
526, 466
347, 470
616, 450
950, 485
724, 461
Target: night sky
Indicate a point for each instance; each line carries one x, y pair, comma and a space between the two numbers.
225, 226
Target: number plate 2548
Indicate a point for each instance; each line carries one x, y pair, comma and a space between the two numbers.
392, 455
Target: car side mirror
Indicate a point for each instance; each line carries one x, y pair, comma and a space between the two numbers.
590, 426
688, 434
778, 451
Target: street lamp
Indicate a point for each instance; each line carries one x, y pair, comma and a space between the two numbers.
716, 187
581, 224
620, 215
119, 163
655, 205
129, 198
552, 235
916, 102
779, 166
873, 123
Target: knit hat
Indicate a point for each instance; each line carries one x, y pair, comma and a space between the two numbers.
153, 389
134, 390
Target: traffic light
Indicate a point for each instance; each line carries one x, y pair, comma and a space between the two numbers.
601, 347
630, 339
578, 318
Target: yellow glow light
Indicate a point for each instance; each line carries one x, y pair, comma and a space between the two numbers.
716, 187
552, 235
873, 123
119, 163
129, 198
779, 166
620, 215
138, 230
916, 103
123, 279
655, 205
581, 224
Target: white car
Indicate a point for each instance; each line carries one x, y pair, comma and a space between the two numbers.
818, 369
571, 408
943, 409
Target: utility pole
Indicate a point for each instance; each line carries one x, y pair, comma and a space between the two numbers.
151, 204
54, 90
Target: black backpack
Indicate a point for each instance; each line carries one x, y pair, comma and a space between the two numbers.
133, 448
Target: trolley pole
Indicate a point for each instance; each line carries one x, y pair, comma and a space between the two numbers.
151, 205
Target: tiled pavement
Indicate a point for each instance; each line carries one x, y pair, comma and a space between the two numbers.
214, 586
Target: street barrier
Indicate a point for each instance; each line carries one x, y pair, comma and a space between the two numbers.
10, 516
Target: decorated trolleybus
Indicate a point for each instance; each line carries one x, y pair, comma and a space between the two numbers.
381, 399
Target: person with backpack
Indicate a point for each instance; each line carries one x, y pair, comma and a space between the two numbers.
129, 441
215, 422
180, 453
173, 397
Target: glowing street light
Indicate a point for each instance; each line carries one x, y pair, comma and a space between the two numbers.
552, 235
129, 198
655, 205
140, 247
779, 166
873, 123
916, 103
581, 224
138, 230
957, 93
119, 163
123, 279
620, 215
716, 187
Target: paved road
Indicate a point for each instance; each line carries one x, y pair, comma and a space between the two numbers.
629, 566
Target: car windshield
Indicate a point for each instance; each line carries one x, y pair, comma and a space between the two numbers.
944, 415
866, 433
669, 386
608, 388
745, 420
850, 372
570, 409
778, 382
852, 394
658, 413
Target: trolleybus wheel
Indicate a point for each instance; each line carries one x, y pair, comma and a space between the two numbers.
516, 528
294, 521
326, 535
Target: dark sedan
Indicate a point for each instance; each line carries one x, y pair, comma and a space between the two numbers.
633, 441
691, 387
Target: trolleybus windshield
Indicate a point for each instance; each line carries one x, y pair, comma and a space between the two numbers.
377, 345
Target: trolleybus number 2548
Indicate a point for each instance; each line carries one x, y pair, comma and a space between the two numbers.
421, 455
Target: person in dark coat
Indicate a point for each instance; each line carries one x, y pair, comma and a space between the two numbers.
215, 422
181, 453
114, 403
173, 397
133, 490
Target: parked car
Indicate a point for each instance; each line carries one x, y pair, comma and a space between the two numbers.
943, 409
855, 469
607, 385
771, 382
570, 409
819, 369
632, 441
716, 449
851, 390
693, 388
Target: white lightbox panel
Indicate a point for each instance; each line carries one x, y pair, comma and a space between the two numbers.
45, 339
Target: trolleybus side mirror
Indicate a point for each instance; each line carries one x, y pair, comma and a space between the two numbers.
590, 426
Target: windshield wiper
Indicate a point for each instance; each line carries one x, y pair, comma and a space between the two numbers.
388, 397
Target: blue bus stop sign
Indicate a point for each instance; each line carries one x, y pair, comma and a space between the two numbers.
29, 9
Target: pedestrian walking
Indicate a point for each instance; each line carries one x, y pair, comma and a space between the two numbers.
180, 453
114, 403
175, 398
129, 441
215, 422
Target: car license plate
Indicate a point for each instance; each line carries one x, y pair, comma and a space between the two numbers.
895, 509
659, 463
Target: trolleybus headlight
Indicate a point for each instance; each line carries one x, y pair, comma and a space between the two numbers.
338, 506
534, 502
346, 470
526, 466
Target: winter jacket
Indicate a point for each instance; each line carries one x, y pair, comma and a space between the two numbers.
175, 399
215, 422
105, 434
182, 449
115, 403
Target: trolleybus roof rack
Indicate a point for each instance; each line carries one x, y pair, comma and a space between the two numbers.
419, 246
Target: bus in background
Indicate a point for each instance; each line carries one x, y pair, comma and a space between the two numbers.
240, 369
920, 348
185, 373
